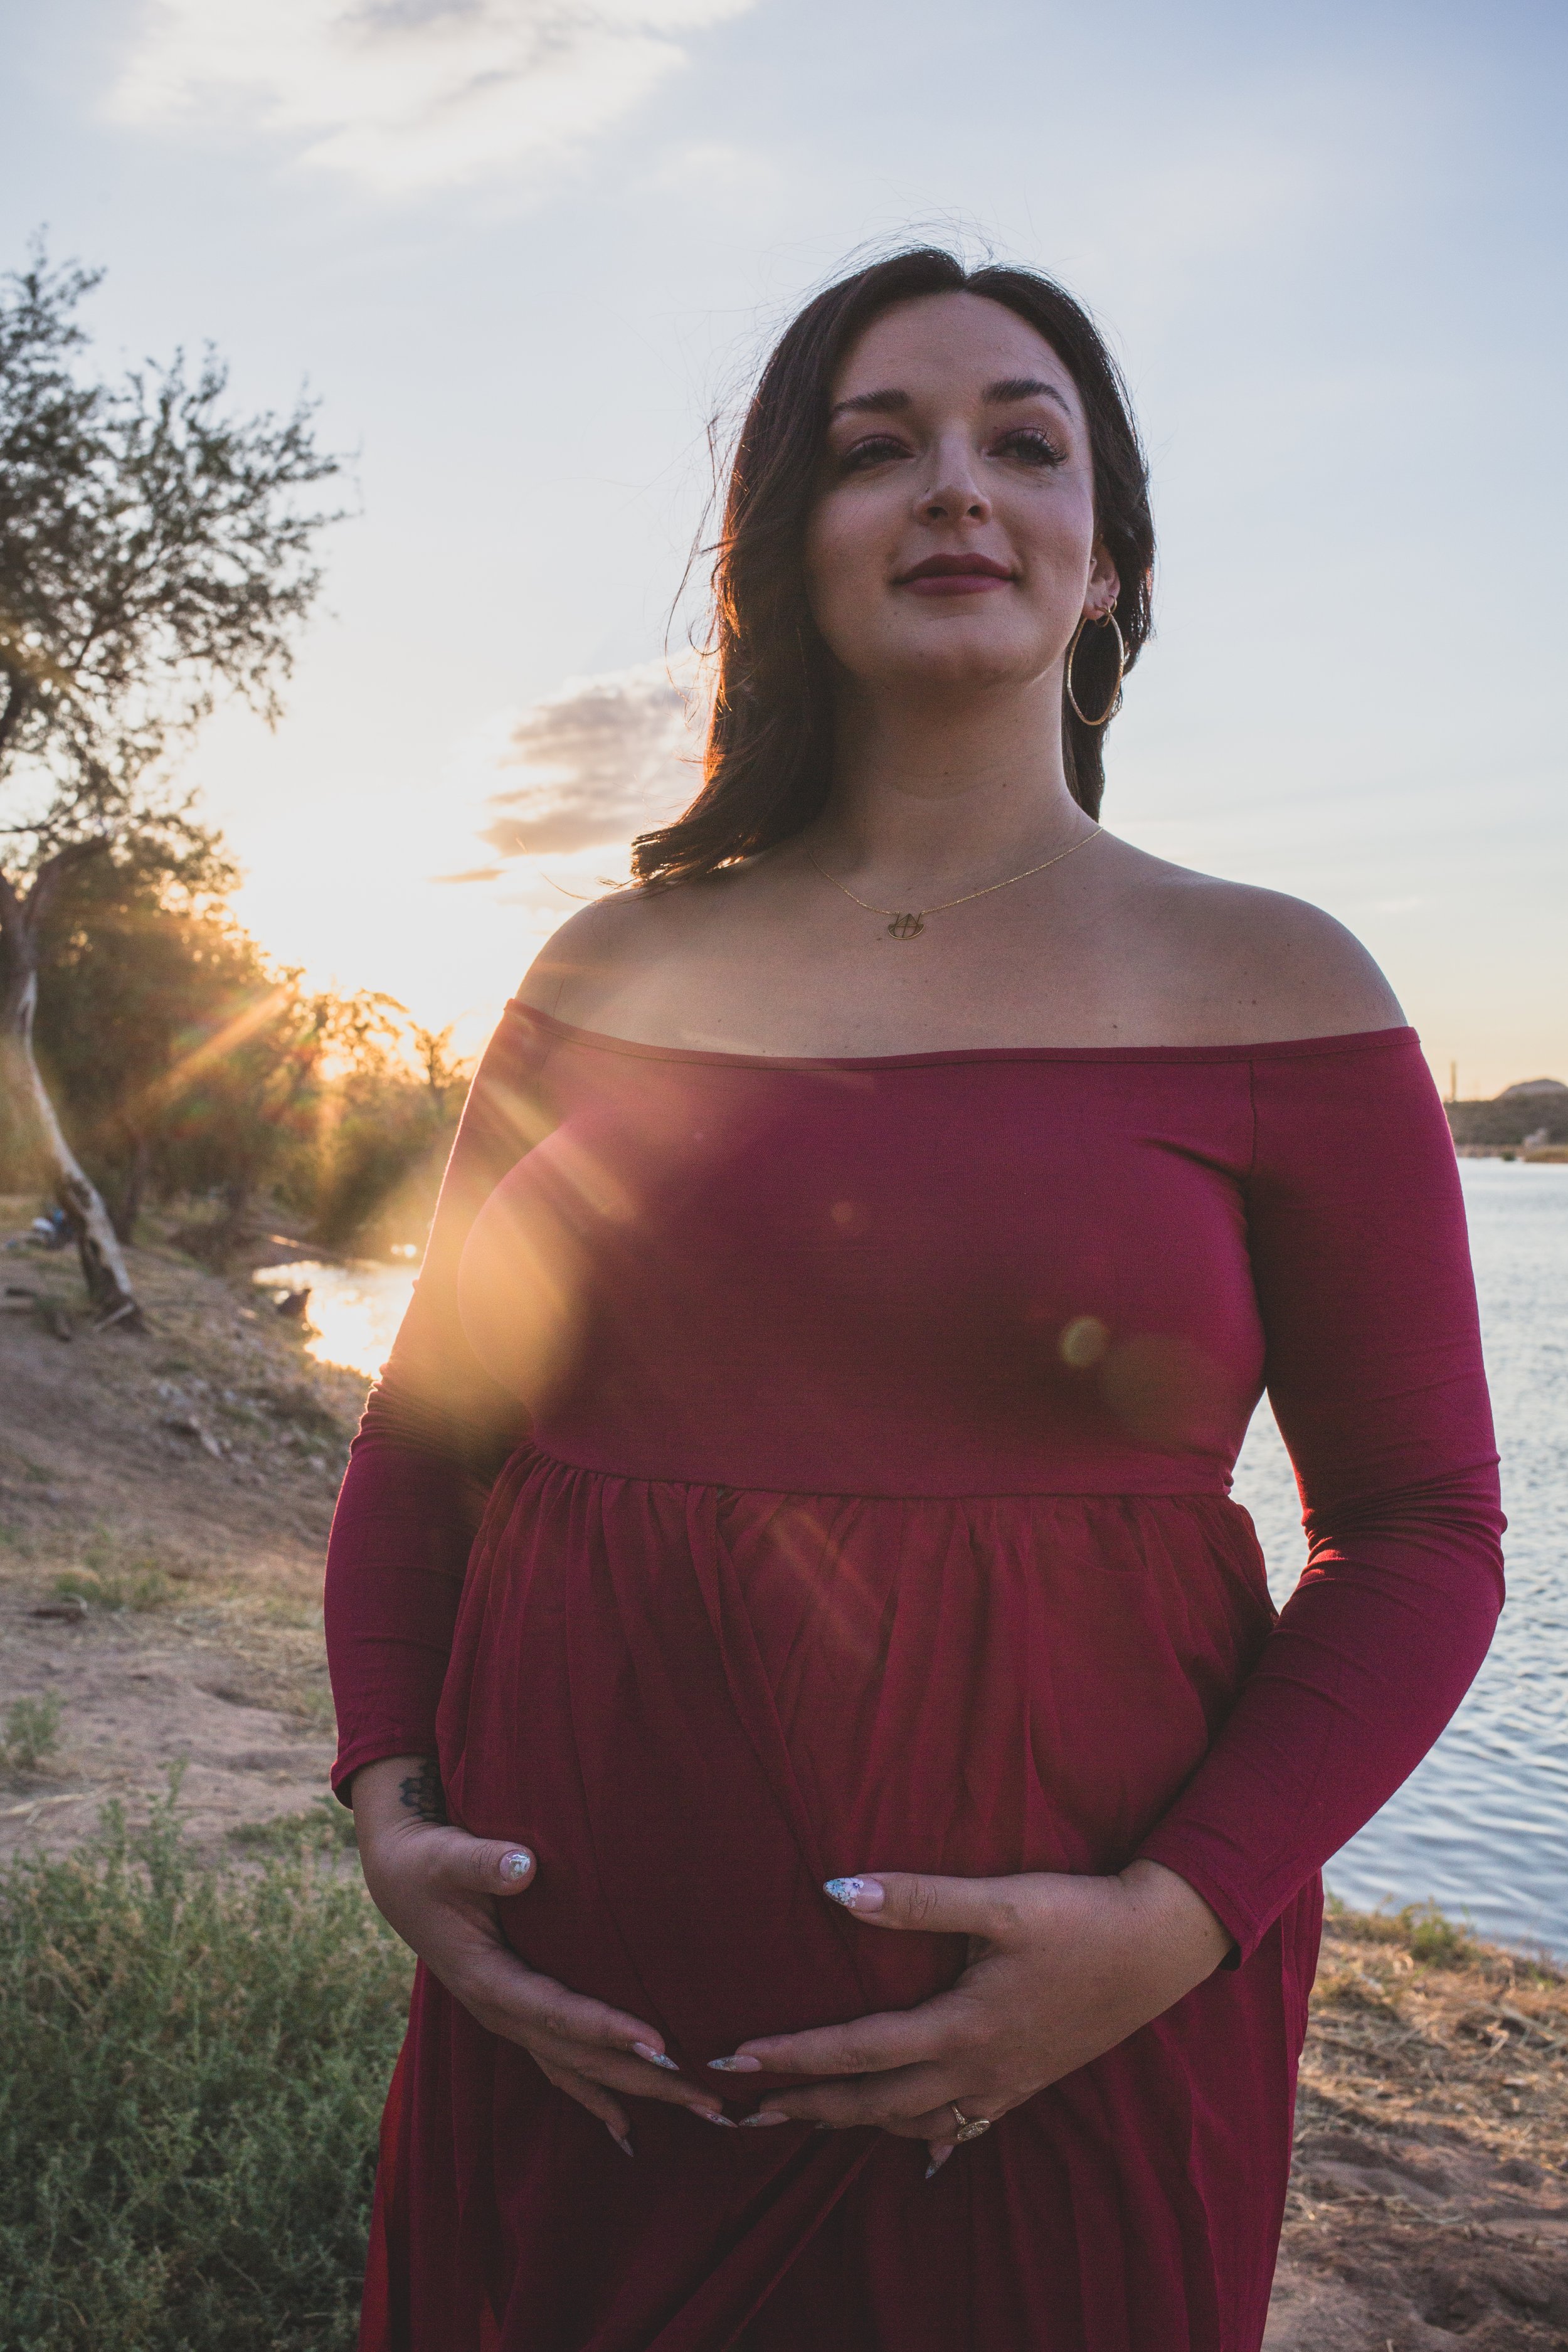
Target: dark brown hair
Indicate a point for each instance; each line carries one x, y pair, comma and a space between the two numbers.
769, 760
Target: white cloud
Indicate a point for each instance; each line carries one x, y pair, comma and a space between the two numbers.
403, 95
598, 760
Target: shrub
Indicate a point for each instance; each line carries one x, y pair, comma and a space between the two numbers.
191, 2065
32, 1732
324, 1826
1430, 1935
146, 1587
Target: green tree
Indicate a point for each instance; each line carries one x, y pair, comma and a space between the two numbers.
155, 553
182, 1061
388, 1118
256, 1104
140, 958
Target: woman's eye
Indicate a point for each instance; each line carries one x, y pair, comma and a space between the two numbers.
873, 451
1035, 447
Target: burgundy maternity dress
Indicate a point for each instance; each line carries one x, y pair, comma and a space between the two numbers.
856, 1437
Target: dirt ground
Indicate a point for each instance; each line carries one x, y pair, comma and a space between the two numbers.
1428, 2205
165, 1500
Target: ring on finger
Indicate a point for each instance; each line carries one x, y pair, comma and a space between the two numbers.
969, 2126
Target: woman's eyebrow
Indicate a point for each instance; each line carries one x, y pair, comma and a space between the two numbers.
880, 404
1023, 387
1007, 388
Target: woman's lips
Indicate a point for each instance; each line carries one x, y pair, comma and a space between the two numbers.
955, 584
956, 575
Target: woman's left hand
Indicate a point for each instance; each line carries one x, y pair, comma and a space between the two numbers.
1060, 1969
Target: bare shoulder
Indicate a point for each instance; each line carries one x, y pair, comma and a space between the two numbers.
580, 965
1259, 965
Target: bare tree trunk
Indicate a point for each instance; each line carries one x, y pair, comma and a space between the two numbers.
21, 922
124, 1211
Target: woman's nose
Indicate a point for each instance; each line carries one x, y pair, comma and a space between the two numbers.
955, 495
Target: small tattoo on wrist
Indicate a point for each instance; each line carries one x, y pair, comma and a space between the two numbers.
422, 1794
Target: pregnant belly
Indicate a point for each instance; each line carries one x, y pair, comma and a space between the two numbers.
695, 1705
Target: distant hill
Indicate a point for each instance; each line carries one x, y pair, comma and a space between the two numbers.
1532, 1107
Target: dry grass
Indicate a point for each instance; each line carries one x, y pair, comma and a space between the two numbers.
1429, 2200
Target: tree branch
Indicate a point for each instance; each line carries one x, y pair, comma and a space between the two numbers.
16, 704
22, 918
11, 927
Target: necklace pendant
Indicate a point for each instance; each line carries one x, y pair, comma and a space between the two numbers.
905, 926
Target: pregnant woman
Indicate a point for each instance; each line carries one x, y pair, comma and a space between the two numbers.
806, 1693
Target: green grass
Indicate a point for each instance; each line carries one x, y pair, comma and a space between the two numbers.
1424, 1931
142, 1587
324, 1827
32, 1732
192, 2067
1431, 1935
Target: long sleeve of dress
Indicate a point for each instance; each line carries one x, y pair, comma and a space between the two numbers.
435, 1431
1374, 1365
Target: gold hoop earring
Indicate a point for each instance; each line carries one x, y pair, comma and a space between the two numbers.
1114, 705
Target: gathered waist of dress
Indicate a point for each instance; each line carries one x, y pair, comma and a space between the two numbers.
873, 1477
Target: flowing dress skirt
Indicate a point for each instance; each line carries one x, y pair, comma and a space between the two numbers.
695, 1704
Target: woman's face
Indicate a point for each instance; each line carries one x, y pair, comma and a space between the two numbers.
951, 542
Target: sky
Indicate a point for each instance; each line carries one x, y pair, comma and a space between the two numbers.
521, 252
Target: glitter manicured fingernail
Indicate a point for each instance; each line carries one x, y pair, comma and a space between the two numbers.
855, 1894
736, 2065
710, 2118
761, 2120
938, 2160
655, 2057
516, 1866
624, 2145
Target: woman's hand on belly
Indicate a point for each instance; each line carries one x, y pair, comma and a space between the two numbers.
1060, 1969
438, 1887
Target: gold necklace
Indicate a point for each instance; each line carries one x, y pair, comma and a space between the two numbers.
910, 923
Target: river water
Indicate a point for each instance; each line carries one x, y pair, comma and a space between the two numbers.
1481, 1827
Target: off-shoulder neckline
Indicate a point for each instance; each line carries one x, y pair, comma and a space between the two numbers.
1359, 1041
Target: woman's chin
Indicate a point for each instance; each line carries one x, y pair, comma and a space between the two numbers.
957, 657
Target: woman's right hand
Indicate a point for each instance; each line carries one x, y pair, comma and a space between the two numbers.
438, 1887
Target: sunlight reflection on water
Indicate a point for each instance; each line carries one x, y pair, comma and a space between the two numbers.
354, 1310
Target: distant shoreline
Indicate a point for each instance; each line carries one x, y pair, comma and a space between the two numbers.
1529, 1126
1538, 1155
